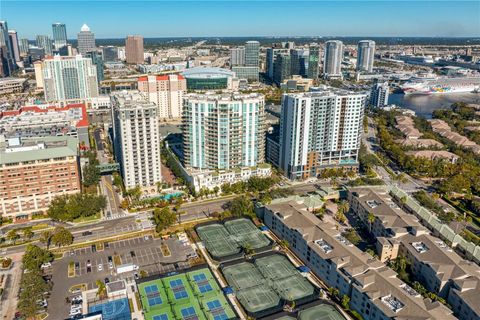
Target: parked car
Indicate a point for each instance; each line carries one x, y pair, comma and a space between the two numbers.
100, 267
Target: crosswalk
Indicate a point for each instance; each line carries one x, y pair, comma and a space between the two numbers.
115, 216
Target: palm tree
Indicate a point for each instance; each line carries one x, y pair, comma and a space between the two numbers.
343, 206
45, 238
284, 244
101, 289
371, 220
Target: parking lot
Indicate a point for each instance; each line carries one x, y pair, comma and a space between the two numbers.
92, 264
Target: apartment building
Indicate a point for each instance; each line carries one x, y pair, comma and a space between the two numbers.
136, 140
35, 170
320, 130
435, 265
374, 290
166, 91
12, 85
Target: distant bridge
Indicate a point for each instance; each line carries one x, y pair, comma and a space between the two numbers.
108, 167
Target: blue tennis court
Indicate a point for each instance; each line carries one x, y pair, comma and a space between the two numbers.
202, 283
217, 310
189, 313
178, 289
160, 317
113, 310
153, 296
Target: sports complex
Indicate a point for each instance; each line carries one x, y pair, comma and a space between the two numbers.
228, 240
318, 310
266, 284
184, 296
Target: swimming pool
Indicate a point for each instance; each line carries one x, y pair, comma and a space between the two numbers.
113, 310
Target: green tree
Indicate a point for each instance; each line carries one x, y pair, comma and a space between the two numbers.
101, 289
371, 220
27, 234
352, 236
46, 237
35, 256
343, 206
134, 193
61, 237
91, 174
33, 286
12, 236
241, 206
163, 218
284, 244
346, 302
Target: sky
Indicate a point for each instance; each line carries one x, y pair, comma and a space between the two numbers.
162, 18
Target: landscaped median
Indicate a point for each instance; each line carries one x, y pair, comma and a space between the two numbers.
71, 269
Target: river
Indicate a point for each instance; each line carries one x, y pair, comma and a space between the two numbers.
424, 105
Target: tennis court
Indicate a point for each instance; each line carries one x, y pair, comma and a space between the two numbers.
320, 312
217, 240
293, 288
258, 298
217, 308
246, 233
275, 266
113, 310
189, 311
242, 275
203, 284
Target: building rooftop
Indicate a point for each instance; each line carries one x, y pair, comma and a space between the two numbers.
207, 72
233, 96
40, 148
318, 92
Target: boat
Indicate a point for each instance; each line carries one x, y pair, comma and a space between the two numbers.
437, 85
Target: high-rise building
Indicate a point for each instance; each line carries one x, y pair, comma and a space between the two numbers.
166, 91
23, 46
134, 49
46, 44
223, 131
98, 62
59, 35
35, 170
365, 55
270, 59
333, 57
313, 61
7, 52
237, 56
110, 54
319, 130
282, 68
298, 59
4, 66
379, 94
136, 140
69, 79
244, 72
86, 40
13, 37
252, 54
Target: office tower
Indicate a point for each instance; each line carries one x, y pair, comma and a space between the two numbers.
13, 37
4, 67
313, 61
365, 55
23, 46
136, 140
9, 64
69, 79
134, 49
332, 63
379, 94
288, 45
98, 62
319, 130
282, 68
166, 91
298, 60
36, 53
270, 59
35, 170
46, 44
223, 131
59, 35
86, 40
110, 54
237, 56
252, 53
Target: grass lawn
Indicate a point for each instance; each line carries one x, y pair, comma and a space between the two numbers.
165, 250
71, 269
87, 219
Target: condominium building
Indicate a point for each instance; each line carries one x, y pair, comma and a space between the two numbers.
136, 140
375, 291
86, 40
237, 56
379, 94
134, 49
13, 36
59, 35
244, 72
44, 42
433, 263
12, 85
223, 131
313, 61
35, 170
332, 60
319, 130
7, 59
166, 92
365, 55
69, 79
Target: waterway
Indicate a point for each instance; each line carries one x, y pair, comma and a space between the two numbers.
424, 105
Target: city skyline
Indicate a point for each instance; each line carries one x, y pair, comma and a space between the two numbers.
202, 19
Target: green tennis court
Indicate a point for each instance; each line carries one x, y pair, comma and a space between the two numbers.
258, 298
275, 266
242, 275
293, 288
320, 312
246, 233
217, 240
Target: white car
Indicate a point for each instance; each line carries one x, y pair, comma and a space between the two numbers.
100, 267
46, 265
110, 265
